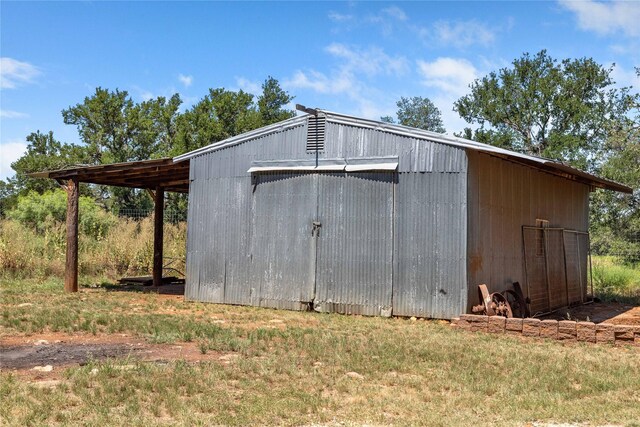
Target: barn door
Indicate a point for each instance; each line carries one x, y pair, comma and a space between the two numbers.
355, 243
282, 265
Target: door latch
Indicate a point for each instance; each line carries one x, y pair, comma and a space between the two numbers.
315, 228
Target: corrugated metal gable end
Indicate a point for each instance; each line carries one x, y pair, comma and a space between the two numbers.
399, 130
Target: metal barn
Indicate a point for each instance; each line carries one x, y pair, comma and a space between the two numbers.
340, 214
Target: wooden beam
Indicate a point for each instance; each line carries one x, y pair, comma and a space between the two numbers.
71, 264
158, 235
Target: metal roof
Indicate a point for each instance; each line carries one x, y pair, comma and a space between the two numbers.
149, 174
548, 165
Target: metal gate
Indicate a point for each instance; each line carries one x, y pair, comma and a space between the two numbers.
556, 262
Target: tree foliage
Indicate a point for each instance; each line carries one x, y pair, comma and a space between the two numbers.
272, 102
114, 128
44, 152
223, 113
418, 112
540, 106
38, 210
615, 217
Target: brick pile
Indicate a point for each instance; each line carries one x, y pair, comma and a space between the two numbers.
563, 330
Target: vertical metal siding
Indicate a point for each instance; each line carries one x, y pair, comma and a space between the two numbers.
284, 207
431, 245
504, 196
355, 246
246, 246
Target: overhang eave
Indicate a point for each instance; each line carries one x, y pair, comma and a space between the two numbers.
146, 174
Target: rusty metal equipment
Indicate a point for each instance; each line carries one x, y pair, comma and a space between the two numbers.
519, 304
510, 303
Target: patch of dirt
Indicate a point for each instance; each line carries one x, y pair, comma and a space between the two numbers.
600, 312
20, 354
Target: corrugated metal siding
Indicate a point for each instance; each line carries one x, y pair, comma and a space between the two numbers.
503, 196
284, 207
355, 246
431, 245
415, 155
250, 244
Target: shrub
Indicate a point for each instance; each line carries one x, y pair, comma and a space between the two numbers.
39, 211
614, 281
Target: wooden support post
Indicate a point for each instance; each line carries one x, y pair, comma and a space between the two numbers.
158, 236
71, 265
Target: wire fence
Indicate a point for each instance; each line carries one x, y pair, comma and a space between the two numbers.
170, 215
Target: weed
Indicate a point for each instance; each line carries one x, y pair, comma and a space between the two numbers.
615, 281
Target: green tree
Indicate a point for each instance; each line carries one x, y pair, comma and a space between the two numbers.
272, 102
224, 113
540, 106
615, 217
418, 112
44, 152
115, 129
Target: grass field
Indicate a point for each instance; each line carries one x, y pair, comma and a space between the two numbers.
614, 280
303, 368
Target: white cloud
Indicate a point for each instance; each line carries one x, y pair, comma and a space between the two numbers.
460, 34
249, 86
626, 77
387, 19
372, 61
339, 82
8, 114
449, 75
350, 77
338, 17
450, 79
396, 12
606, 18
185, 80
9, 153
14, 73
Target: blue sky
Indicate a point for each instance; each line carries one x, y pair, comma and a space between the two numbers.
350, 57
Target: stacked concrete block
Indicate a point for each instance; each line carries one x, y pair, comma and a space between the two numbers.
624, 334
513, 326
496, 324
563, 330
586, 332
605, 333
567, 330
474, 322
530, 327
549, 329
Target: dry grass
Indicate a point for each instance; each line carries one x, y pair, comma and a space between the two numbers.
126, 249
293, 369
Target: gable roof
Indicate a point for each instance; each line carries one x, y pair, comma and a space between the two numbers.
548, 165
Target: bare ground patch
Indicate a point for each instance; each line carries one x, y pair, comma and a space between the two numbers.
600, 312
21, 354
